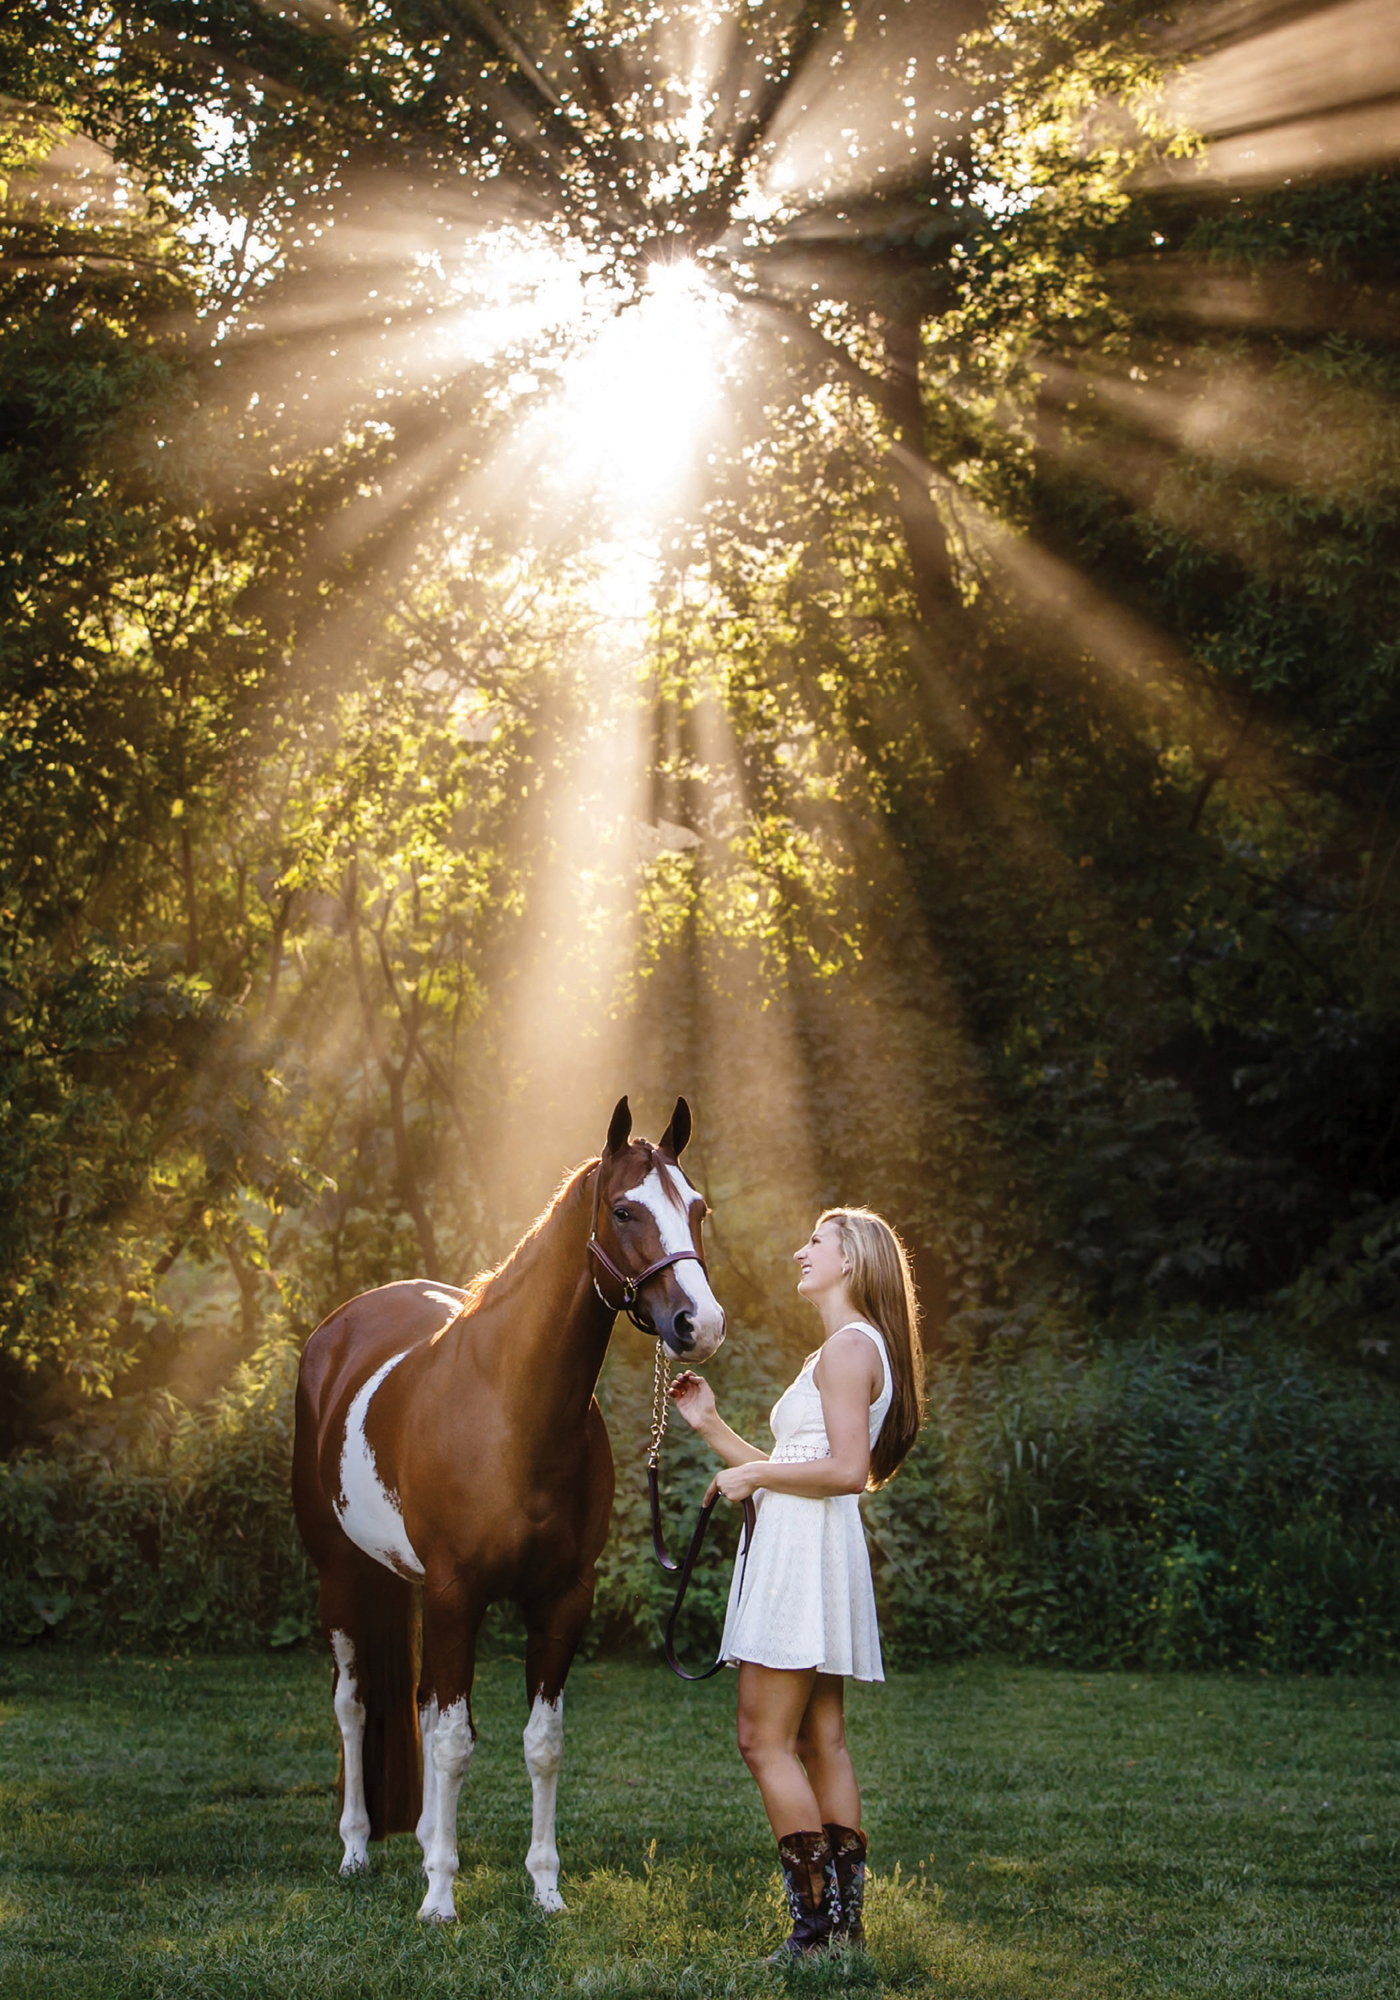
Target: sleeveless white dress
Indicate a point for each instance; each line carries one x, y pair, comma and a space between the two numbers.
807, 1599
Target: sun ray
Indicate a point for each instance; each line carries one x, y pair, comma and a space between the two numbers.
1318, 91
438, 359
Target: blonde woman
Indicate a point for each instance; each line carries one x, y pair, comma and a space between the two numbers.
805, 1618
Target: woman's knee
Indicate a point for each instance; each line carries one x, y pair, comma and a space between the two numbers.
756, 1746
762, 1741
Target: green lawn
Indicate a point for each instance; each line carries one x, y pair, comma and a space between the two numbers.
167, 1829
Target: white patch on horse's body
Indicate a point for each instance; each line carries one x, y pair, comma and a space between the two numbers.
669, 1208
544, 1753
443, 1298
448, 1747
367, 1509
350, 1714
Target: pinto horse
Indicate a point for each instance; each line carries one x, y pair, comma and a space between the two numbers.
449, 1453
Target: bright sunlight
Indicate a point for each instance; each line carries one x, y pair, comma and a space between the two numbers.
639, 401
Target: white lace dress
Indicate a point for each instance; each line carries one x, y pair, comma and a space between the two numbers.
807, 1599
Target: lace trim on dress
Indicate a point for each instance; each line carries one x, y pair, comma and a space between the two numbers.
798, 1451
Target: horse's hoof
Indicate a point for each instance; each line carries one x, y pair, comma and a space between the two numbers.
429, 1915
550, 1901
354, 1864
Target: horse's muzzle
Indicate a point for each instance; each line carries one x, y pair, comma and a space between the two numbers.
692, 1336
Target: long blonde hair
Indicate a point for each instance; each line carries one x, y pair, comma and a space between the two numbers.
881, 1286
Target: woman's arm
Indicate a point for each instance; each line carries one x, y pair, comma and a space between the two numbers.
848, 1383
695, 1400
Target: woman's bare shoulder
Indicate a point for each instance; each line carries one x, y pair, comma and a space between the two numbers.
848, 1355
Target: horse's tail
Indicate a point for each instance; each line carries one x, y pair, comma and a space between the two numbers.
387, 1651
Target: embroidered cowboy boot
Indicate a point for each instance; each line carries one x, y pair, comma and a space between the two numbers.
809, 1876
848, 1853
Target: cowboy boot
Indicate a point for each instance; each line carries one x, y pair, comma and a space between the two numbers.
848, 1853
809, 1876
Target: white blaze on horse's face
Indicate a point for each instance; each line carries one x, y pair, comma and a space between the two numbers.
366, 1509
669, 1204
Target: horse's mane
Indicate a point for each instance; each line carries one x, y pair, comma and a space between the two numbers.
502, 1277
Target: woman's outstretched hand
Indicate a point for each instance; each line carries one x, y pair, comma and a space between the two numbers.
694, 1398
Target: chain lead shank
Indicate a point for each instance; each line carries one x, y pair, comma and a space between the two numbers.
660, 1402
660, 1407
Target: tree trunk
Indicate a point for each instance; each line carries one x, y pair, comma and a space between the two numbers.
941, 640
406, 1172
248, 1277
925, 537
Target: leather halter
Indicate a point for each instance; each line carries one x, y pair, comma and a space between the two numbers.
631, 1284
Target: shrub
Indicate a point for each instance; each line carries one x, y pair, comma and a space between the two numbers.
1140, 1506
1135, 1505
178, 1535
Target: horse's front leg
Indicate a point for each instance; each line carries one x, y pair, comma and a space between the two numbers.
451, 1620
554, 1630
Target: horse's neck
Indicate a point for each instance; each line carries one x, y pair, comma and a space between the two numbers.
548, 1333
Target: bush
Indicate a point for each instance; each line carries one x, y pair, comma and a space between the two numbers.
1143, 1506
1138, 1505
177, 1535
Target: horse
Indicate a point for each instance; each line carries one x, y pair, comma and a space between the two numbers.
450, 1453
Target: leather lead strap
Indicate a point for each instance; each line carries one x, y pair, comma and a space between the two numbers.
658, 1533
691, 1556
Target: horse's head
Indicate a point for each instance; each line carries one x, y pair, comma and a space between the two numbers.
647, 1242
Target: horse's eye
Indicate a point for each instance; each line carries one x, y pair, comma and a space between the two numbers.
622, 1215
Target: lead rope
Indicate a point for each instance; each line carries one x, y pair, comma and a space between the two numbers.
691, 1554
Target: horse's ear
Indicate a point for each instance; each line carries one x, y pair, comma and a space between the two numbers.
620, 1130
676, 1137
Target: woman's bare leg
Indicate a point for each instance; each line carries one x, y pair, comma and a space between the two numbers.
821, 1745
772, 1703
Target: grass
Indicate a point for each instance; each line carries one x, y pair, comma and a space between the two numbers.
167, 1829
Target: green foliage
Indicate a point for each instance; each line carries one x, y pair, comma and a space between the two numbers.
1150, 1505
1144, 1506
178, 1536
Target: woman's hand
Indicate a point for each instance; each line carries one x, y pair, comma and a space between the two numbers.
738, 1482
694, 1398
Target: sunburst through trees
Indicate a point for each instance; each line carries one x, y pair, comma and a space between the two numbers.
838, 557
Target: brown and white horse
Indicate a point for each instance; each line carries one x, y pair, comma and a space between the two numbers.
450, 1452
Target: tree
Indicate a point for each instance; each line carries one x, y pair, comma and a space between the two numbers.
1002, 707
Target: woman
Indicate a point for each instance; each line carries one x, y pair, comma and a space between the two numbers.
805, 1617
